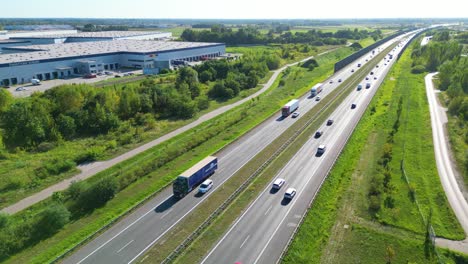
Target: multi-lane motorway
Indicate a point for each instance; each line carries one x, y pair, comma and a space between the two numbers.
264, 229
131, 237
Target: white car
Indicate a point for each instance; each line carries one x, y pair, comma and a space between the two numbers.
205, 186
20, 89
317, 98
321, 149
278, 183
290, 193
295, 114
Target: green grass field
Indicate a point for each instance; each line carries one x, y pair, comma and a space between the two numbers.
343, 199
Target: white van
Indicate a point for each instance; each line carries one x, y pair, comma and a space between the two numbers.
35, 81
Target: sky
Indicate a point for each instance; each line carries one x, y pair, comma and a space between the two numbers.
232, 9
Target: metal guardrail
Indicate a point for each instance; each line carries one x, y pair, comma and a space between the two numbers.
360, 74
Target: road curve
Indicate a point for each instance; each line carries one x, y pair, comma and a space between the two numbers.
95, 167
444, 166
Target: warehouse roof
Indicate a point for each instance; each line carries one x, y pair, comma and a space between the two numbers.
101, 34
89, 49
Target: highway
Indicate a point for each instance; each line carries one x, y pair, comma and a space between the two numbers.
261, 234
131, 237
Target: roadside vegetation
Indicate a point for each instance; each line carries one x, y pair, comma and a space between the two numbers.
366, 211
117, 189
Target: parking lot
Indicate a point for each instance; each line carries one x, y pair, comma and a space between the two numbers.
27, 89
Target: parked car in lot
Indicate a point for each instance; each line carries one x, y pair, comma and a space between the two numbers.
90, 76
290, 193
205, 186
278, 183
295, 114
118, 76
19, 89
353, 106
330, 122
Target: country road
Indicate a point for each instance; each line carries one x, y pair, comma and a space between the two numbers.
445, 167
93, 168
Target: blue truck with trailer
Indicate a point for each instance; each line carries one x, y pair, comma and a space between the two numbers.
194, 176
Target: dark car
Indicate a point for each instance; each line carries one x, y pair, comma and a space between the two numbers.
318, 134
330, 122
353, 106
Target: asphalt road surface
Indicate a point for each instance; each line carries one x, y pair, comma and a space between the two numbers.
444, 166
263, 231
131, 237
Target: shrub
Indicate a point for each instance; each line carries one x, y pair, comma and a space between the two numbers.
418, 69
53, 219
46, 146
98, 194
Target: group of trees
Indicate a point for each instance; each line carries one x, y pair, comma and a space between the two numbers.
96, 28
444, 54
251, 35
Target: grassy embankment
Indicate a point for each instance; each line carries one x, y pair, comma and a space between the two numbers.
233, 124
340, 228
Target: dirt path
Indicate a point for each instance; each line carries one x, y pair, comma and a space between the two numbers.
93, 168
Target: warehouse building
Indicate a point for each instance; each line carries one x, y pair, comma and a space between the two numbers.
45, 62
94, 36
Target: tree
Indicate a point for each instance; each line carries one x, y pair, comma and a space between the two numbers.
273, 62
206, 76
66, 125
98, 194
390, 254
53, 219
5, 100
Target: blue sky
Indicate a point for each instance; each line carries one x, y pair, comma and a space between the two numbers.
310, 9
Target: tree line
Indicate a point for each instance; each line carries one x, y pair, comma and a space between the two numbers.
251, 35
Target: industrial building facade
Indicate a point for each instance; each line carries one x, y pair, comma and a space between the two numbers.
20, 64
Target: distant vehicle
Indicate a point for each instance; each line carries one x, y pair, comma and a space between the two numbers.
367, 77
19, 89
99, 73
331, 81
108, 73
295, 114
316, 89
367, 59
353, 106
371, 73
377, 66
193, 176
126, 74
317, 98
290, 193
367, 85
90, 76
118, 76
359, 64
339, 80
318, 134
205, 186
330, 122
278, 183
35, 82
375, 77
321, 149
290, 107
359, 87
131, 73
352, 70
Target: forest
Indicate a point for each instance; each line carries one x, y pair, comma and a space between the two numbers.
279, 34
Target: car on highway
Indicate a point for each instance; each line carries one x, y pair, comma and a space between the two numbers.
352, 70
339, 80
318, 134
353, 106
375, 77
321, 149
359, 87
290, 193
278, 183
367, 85
295, 114
317, 98
377, 66
331, 81
205, 186
371, 73
330, 122
367, 78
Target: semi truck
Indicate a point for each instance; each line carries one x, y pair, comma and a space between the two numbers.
194, 176
290, 107
316, 89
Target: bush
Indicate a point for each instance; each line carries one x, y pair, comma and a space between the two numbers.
46, 146
98, 194
418, 69
53, 219
75, 189
92, 154
58, 166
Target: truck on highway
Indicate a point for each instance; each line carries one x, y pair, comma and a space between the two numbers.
316, 89
194, 176
290, 107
